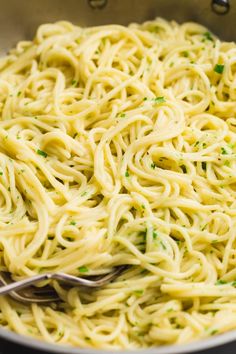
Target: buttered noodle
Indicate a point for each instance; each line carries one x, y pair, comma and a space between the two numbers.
118, 146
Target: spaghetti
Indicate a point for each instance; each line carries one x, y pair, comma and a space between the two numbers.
118, 146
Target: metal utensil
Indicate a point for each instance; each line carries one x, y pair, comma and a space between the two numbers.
25, 291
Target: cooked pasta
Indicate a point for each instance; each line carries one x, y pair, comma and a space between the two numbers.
118, 146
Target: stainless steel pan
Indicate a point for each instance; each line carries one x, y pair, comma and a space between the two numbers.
19, 20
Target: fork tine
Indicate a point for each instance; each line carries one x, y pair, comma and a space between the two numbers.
30, 294
26, 291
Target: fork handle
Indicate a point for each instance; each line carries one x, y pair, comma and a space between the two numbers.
21, 284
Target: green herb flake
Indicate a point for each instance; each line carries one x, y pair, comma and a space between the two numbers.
145, 98
223, 151
138, 292
219, 68
214, 331
83, 194
18, 93
74, 83
1, 173
163, 245
154, 235
122, 115
153, 166
208, 36
42, 153
159, 99
143, 206
126, 174
83, 269
185, 53
221, 282
197, 143
227, 163
73, 223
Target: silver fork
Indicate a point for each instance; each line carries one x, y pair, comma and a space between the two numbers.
25, 291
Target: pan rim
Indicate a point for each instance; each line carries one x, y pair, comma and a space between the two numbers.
191, 347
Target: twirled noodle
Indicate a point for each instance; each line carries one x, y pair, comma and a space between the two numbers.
118, 146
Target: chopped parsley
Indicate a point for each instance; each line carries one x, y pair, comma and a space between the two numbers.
219, 68
1, 173
42, 153
18, 93
185, 53
208, 36
126, 174
122, 115
74, 83
227, 163
73, 222
223, 151
83, 269
145, 98
138, 292
154, 235
159, 99
83, 194
214, 331
143, 206
153, 166
163, 245
221, 282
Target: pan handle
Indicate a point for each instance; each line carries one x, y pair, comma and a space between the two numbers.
97, 4
220, 7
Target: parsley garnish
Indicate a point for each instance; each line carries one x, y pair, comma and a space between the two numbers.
74, 83
72, 223
138, 292
42, 153
214, 331
208, 36
126, 174
159, 99
185, 53
219, 68
122, 115
223, 151
18, 93
1, 173
153, 165
221, 282
154, 235
83, 269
